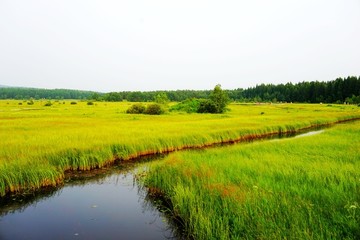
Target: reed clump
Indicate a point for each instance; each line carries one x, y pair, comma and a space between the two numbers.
20, 177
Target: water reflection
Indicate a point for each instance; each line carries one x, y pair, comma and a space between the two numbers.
107, 206
18, 203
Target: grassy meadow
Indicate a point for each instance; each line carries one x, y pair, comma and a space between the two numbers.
296, 188
39, 143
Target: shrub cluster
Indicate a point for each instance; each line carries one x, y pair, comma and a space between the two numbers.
136, 108
353, 99
48, 104
215, 104
152, 109
208, 106
190, 105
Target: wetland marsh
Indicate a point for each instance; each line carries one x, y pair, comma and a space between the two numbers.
241, 188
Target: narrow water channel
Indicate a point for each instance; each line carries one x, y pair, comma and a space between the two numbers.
111, 205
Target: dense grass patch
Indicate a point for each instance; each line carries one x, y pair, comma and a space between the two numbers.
64, 137
300, 188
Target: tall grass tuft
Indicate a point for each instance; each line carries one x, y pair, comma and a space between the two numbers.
17, 178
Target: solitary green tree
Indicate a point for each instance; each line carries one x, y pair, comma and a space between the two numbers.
219, 98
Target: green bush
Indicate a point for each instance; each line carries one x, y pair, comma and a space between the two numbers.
154, 109
30, 102
189, 105
73, 103
136, 108
48, 104
217, 102
90, 103
207, 106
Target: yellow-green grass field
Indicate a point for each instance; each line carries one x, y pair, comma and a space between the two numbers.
295, 188
39, 143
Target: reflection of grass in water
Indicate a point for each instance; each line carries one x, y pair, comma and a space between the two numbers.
37, 147
306, 188
154, 199
19, 202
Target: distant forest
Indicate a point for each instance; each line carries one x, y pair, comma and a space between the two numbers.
337, 91
39, 93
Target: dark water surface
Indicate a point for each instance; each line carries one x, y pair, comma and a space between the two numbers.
112, 206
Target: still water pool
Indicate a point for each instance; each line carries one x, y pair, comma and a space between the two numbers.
112, 206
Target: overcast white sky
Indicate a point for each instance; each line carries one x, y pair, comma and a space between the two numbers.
185, 44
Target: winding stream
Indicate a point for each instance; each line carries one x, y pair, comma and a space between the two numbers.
110, 205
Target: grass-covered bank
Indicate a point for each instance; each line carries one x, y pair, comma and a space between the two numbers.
39, 143
299, 188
